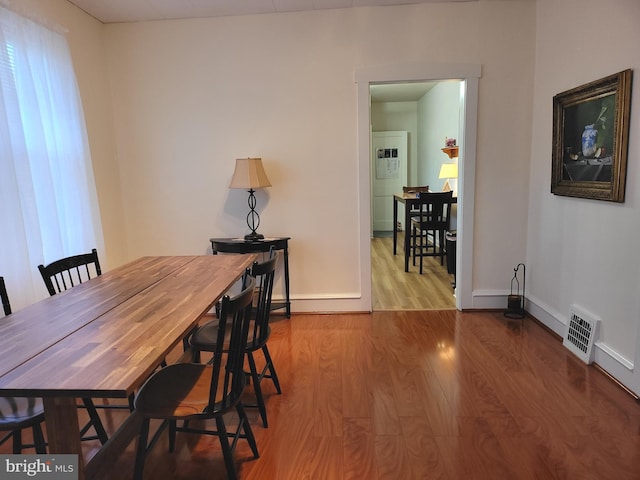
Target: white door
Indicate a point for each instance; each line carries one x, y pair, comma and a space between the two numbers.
389, 175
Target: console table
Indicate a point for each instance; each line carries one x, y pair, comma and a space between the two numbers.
240, 245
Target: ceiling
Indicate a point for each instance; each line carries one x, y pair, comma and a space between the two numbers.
400, 92
126, 11
116, 11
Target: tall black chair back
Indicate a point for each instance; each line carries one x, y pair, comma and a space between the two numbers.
67, 272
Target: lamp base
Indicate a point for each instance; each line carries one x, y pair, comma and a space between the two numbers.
253, 237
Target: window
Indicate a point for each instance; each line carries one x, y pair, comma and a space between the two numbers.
48, 203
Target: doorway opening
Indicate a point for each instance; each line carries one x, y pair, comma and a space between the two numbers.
410, 124
468, 76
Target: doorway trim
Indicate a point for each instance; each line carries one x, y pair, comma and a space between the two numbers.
468, 74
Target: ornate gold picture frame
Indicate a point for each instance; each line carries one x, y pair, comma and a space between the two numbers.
591, 138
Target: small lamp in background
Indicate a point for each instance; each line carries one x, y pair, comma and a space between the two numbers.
250, 175
448, 171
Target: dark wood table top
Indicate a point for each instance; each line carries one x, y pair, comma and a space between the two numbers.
104, 337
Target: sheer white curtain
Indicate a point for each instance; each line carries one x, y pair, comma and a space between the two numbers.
48, 202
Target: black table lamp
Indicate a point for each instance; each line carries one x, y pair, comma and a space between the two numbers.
250, 175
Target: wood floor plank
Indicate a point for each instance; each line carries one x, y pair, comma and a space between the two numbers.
359, 452
382, 405
392, 458
327, 387
441, 412
423, 454
409, 396
356, 355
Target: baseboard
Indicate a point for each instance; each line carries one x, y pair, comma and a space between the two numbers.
328, 303
549, 317
489, 299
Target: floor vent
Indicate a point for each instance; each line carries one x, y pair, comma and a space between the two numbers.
581, 333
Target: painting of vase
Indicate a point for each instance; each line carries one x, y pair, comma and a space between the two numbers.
589, 137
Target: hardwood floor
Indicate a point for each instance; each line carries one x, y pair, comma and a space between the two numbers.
420, 395
395, 289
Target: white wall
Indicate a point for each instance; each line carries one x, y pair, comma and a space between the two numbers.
399, 116
438, 117
584, 251
185, 98
191, 96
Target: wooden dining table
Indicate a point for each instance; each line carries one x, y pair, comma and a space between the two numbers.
103, 338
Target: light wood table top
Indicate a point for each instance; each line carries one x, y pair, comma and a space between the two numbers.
103, 338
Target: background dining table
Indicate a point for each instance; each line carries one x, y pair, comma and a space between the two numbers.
104, 337
410, 201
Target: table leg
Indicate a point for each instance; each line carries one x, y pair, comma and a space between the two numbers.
407, 235
63, 430
98, 468
395, 224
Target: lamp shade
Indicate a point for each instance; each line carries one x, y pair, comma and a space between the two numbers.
249, 174
449, 170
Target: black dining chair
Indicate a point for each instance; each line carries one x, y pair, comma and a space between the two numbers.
429, 226
59, 276
20, 413
195, 391
205, 338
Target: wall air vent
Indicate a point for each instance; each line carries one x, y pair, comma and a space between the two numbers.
580, 335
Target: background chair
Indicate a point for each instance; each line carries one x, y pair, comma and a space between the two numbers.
70, 271
416, 190
205, 338
431, 223
195, 391
19, 413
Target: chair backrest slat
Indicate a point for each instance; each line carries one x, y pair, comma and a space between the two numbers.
68, 272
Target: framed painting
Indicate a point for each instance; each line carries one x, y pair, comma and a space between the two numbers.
591, 138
